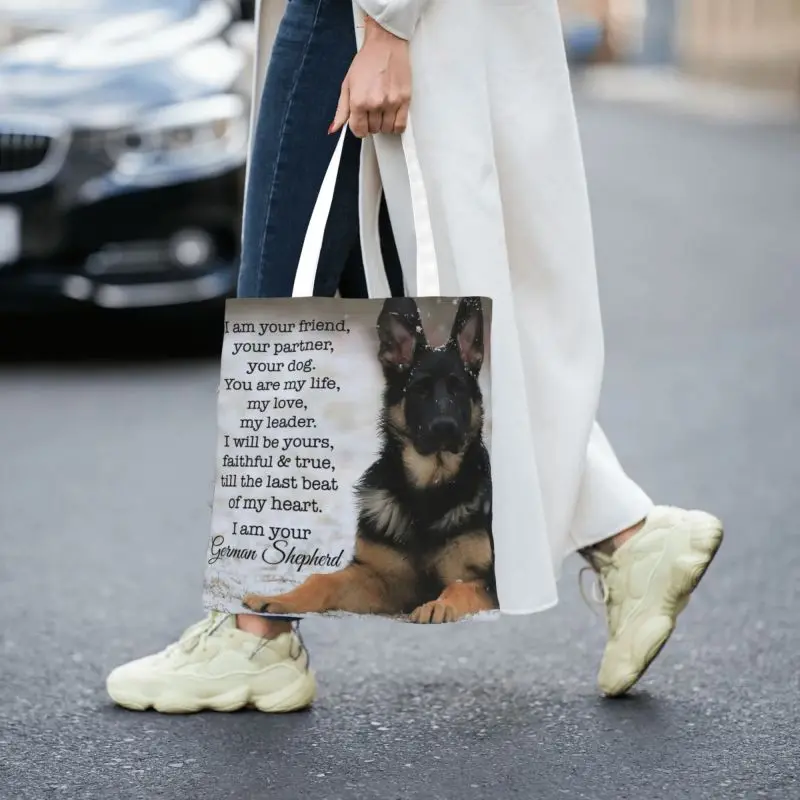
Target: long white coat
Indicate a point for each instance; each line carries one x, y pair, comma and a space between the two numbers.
500, 155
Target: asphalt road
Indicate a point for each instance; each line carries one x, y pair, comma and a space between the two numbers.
105, 492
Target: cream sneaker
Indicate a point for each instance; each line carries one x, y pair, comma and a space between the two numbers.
216, 666
646, 584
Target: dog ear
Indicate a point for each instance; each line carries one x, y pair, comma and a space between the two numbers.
467, 333
399, 332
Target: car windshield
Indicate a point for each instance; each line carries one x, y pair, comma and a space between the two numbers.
73, 13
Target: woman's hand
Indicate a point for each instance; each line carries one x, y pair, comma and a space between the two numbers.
377, 89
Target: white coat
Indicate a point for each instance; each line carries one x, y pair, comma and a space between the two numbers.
498, 145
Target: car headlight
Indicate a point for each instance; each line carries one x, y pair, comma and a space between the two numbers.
191, 135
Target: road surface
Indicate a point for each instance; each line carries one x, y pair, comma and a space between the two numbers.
104, 501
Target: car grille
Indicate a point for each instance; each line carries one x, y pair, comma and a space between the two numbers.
32, 150
20, 152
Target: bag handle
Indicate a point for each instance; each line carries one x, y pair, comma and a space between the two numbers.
427, 266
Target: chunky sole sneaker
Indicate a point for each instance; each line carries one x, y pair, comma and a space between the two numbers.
215, 666
647, 583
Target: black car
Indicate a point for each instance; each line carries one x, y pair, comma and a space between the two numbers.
123, 139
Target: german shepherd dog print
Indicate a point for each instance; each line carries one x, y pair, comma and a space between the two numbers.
424, 544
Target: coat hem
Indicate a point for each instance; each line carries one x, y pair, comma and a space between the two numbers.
527, 612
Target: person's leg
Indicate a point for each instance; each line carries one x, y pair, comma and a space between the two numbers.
225, 663
648, 560
609, 503
291, 150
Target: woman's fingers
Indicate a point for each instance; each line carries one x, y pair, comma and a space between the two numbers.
389, 119
342, 109
359, 121
387, 126
401, 119
377, 112
366, 116
376, 118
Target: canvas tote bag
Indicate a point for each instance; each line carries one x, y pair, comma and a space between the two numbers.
353, 472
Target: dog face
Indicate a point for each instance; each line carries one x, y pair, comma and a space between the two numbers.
432, 394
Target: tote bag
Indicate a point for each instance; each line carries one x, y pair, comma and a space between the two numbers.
353, 469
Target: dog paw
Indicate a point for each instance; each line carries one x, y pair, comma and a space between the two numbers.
434, 613
264, 605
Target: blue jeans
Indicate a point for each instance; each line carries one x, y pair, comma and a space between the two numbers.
290, 153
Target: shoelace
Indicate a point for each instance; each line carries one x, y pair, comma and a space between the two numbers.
599, 591
298, 641
207, 628
200, 635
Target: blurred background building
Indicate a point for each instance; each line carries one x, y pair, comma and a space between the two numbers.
753, 43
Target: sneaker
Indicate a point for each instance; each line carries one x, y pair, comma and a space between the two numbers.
646, 583
214, 665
